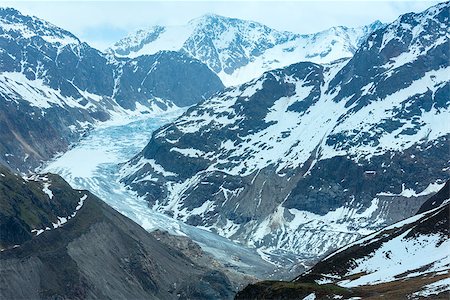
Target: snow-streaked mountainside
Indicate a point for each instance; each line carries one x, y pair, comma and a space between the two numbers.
310, 157
407, 260
19, 26
417, 246
53, 88
239, 50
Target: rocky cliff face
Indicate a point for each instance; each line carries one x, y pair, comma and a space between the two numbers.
310, 157
239, 50
54, 88
57, 242
166, 75
408, 259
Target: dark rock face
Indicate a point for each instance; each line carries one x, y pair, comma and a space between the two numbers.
167, 75
54, 88
97, 253
355, 144
338, 179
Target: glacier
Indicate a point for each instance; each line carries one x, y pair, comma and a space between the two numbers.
93, 164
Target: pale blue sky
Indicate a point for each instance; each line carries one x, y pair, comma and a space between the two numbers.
101, 23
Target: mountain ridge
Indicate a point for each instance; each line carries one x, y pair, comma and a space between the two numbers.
240, 50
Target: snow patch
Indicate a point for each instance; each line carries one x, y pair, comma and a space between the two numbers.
47, 190
62, 220
433, 187
311, 296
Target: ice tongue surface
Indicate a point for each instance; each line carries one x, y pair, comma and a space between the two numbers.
93, 164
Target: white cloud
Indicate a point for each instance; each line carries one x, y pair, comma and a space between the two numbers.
101, 23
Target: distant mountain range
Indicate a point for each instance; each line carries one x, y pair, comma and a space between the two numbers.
239, 50
310, 157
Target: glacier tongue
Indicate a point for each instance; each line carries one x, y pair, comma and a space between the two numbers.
93, 164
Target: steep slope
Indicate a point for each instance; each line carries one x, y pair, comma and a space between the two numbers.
407, 260
63, 243
166, 75
310, 157
54, 88
239, 50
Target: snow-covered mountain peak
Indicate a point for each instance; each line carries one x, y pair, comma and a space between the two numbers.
433, 11
224, 23
15, 25
421, 27
225, 31
135, 42
360, 32
209, 18
215, 29
350, 38
240, 50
